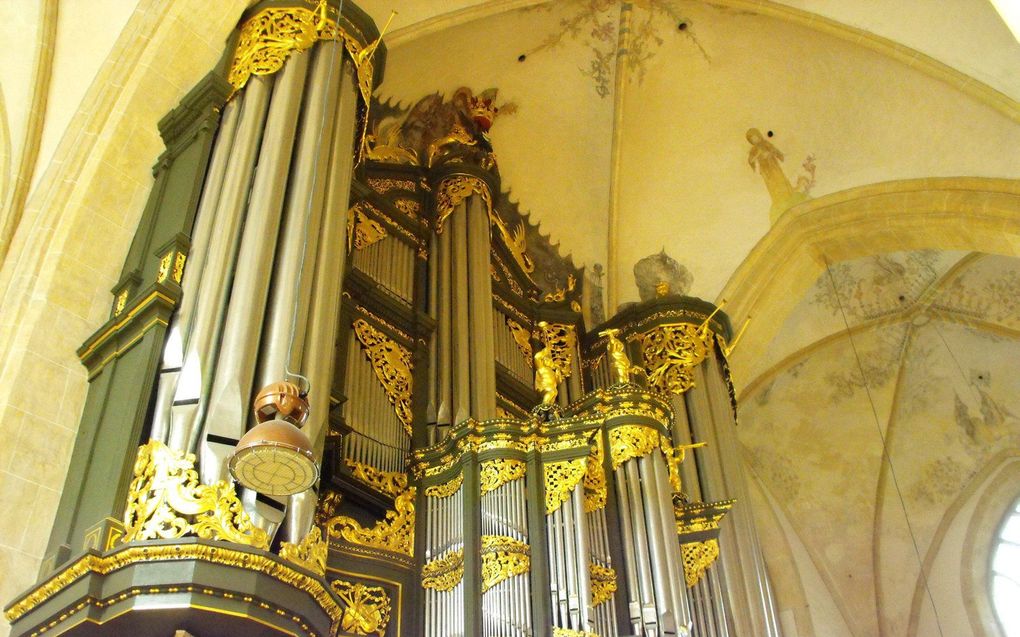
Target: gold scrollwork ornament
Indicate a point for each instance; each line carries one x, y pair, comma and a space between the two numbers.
309, 553
444, 573
392, 365
631, 441
445, 489
671, 352
603, 583
166, 501
391, 483
495, 473
502, 558
394, 533
697, 557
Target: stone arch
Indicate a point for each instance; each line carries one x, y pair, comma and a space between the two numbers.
960, 213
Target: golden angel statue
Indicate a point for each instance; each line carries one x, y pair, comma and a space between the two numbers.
617, 356
547, 377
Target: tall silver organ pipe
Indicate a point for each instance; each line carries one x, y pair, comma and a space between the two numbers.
443, 573
391, 263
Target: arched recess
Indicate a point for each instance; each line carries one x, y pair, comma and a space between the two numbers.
958, 213
957, 562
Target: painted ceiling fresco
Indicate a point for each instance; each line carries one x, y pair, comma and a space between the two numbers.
911, 354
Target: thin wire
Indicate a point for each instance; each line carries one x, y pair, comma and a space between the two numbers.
885, 448
308, 215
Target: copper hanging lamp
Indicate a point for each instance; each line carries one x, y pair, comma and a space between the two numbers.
275, 457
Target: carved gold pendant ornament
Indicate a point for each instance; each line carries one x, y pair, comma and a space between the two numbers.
391, 483
561, 478
395, 533
444, 573
495, 473
310, 553
697, 557
603, 583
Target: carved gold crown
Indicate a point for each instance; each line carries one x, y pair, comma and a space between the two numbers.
483, 110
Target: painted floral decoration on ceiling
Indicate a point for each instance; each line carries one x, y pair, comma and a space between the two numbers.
609, 27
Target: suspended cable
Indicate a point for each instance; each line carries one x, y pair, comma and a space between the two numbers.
885, 449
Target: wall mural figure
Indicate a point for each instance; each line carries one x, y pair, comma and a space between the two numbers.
661, 275
596, 306
765, 158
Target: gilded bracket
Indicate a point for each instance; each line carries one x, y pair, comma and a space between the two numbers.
697, 557
561, 478
595, 479
632, 441
362, 231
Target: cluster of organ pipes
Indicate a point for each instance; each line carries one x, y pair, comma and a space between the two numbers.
506, 605
444, 541
261, 291
376, 437
391, 263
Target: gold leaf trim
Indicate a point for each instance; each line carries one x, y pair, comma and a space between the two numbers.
446, 489
394, 533
495, 473
368, 608
392, 365
502, 558
166, 501
362, 230
126, 556
560, 480
309, 553
444, 573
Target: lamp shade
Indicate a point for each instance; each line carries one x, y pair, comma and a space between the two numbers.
274, 458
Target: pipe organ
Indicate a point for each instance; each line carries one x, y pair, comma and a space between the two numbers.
491, 465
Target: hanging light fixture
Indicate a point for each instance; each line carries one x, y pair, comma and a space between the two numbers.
275, 457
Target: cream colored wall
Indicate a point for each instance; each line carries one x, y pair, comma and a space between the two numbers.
69, 247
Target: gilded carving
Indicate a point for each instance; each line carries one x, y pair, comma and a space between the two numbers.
671, 352
393, 533
164, 267
446, 489
179, 261
697, 557
617, 352
166, 501
392, 365
631, 441
603, 583
310, 553
495, 473
453, 190
562, 342
363, 231
383, 185
595, 479
522, 337
444, 573
367, 610
326, 508
502, 558
547, 377
121, 302
569, 632
391, 483
561, 478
